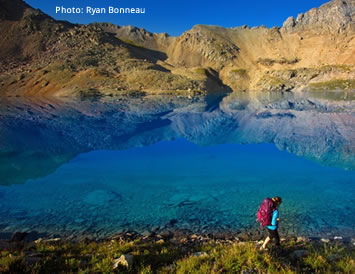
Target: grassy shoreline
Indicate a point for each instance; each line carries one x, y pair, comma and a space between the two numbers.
167, 253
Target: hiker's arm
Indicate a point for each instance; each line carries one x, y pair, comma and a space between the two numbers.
275, 217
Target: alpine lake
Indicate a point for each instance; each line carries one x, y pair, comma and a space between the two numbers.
99, 166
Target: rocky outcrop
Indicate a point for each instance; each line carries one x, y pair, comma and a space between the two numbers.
203, 46
125, 260
334, 16
138, 36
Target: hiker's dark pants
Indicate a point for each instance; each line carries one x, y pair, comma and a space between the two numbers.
274, 234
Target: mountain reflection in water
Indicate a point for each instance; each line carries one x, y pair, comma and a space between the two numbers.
39, 135
99, 166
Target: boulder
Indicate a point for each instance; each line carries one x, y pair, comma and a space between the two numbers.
301, 239
147, 234
166, 234
125, 260
54, 240
33, 236
18, 237
243, 236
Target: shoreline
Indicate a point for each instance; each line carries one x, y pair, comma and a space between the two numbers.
175, 253
176, 234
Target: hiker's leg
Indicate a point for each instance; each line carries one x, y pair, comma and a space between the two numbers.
277, 238
267, 240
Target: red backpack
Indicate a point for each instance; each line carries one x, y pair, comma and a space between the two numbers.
265, 212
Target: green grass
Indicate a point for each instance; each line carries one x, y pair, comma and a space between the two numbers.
131, 42
333, 85
341, 68
240, 72
283, 61
165, 257
272, 82
201, 71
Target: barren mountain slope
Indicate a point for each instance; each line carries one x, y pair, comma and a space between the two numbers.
321, 40
39, 55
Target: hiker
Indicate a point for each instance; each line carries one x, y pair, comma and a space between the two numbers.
273, 225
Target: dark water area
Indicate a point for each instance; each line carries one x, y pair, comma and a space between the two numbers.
101, 166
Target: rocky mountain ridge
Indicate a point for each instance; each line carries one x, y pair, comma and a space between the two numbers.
42, 56
334, 16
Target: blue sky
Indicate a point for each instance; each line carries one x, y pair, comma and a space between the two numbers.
175, 17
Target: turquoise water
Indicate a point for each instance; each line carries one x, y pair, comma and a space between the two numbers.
140, 182
203, 188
